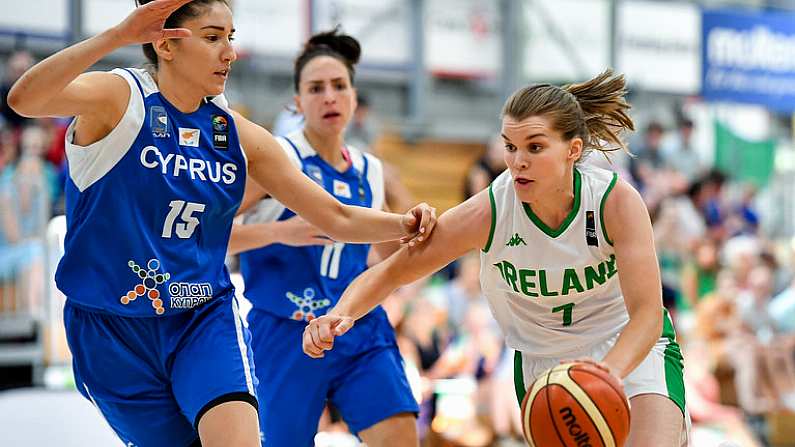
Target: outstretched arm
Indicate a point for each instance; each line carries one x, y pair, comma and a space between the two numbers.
459, 230
270, 167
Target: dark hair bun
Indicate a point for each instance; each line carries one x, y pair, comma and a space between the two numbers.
345, 45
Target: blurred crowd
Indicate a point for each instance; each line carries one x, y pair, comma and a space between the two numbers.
32, 166
730, 289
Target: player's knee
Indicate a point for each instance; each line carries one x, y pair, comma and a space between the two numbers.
397, 431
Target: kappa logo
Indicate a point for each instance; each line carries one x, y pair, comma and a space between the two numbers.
515, 241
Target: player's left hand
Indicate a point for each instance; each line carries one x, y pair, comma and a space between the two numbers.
601, 365
320, 333
418, 224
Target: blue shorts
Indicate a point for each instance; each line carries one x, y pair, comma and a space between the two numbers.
153, 378
362, 377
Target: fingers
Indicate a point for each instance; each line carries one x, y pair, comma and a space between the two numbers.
310, 348
176, 33
311, 344
319, 336
426, 216
427, 229
344, 326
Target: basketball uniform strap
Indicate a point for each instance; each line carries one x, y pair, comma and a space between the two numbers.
137, 82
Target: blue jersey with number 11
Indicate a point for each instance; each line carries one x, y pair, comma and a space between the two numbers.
304, 282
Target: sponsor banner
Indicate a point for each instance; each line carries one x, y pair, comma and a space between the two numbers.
749, 57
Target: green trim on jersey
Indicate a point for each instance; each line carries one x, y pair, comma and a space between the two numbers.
566, 222
602, 208
493, 220
674, 364
518, 377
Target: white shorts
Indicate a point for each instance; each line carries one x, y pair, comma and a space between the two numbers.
661, 372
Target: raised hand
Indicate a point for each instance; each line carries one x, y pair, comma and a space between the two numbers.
146, 23
418, 223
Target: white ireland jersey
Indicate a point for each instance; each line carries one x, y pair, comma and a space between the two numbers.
553, 291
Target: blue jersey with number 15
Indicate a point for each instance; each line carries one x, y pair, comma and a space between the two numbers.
150, 206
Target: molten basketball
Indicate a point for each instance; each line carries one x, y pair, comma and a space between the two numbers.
575, 405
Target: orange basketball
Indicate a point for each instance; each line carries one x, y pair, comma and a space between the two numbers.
575, 405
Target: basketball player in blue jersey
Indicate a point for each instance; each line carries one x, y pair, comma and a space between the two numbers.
157, 168
568, 263
284, 297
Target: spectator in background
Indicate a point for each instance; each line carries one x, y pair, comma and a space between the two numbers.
9, 149
486, 169
463, 291
700, 274
679, 153
649, 158
18, 63
25, 200
362, 131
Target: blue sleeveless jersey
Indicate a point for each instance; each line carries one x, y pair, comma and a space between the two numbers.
149, 207
304, 282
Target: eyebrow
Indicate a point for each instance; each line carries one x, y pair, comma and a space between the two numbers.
320, 81
219, 28
530, 137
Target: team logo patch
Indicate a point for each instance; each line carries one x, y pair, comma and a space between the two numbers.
315, 173
150, 279
590, 229
307, 305
220, 132
342, 189
158, 122
189, 137
219, 123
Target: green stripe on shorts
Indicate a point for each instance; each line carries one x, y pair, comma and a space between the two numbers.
518, 377
674, 364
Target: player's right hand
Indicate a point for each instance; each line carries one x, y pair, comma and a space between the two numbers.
147, 23
297, 232
319, 334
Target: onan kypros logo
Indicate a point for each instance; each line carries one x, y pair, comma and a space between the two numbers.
183, 295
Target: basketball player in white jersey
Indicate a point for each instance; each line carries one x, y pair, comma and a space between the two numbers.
157, 166
568, 260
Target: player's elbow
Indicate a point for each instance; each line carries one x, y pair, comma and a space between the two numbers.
24, 104
651, 317
16, 101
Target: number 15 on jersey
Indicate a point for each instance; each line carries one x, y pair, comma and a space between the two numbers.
189, 222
